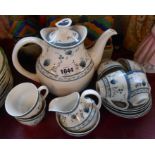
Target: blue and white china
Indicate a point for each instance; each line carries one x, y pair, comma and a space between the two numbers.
139, 87
81, 133
130, 113
130, 65
126, 93
108, 66
64, 65
25, 100
6, 79
34, 120
77, 113
114, 86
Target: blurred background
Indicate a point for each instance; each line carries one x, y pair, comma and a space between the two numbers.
131, 29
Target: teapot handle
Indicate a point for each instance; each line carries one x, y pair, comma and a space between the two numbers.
17, 65
95, 93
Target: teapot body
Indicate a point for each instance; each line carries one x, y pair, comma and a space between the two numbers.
64, 65
65, 70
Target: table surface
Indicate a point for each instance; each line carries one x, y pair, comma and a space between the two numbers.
109, 127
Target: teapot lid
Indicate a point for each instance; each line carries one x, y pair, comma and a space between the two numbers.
64, 35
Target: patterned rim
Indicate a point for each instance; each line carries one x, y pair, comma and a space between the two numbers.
29, 110
79, 134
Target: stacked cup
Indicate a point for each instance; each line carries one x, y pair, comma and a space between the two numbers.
125, 91
26, 103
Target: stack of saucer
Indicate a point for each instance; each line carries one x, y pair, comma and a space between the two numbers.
130, 112
6, 80
125, 91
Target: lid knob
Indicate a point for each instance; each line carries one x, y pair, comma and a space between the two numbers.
66, 22
64, 35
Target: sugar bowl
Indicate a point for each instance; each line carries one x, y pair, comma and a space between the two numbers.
77, 114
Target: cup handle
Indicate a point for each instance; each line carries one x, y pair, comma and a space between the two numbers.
95, 93
111, 102
41, 88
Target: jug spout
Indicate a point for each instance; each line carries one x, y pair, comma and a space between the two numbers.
64, 104
97, 50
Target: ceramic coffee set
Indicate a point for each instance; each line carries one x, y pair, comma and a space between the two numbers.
65, 68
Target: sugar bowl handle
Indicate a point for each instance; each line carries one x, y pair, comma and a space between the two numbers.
94, 93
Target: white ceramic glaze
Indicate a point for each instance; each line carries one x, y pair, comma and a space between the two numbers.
35, 119
131, 65
128, 87
139, 88
108, 65
65, 104
132, 112
64, 66
25, 100
114, 86
81, 133
82, 114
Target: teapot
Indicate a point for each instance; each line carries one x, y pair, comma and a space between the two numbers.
77, 113
64, 65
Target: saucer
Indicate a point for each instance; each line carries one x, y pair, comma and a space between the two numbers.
129, 113
82, 133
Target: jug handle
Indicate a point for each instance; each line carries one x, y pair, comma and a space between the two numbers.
17, 65
94, 93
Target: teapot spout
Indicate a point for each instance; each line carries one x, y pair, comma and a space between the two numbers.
96, 52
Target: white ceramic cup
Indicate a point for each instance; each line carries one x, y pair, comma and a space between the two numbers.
25, 100
35, 119
131, 65
108, 65
139, 88
113, 86
119, 106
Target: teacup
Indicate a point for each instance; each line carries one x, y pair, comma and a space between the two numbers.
118, 105
114, 86
108, 66
131, 65
139, 88
25, 100
35, 119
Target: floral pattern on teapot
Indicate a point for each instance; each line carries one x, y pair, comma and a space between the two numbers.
67, 65
64, 65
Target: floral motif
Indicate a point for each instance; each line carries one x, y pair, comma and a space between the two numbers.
46, 62
49, 74
83, 64
69, 52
